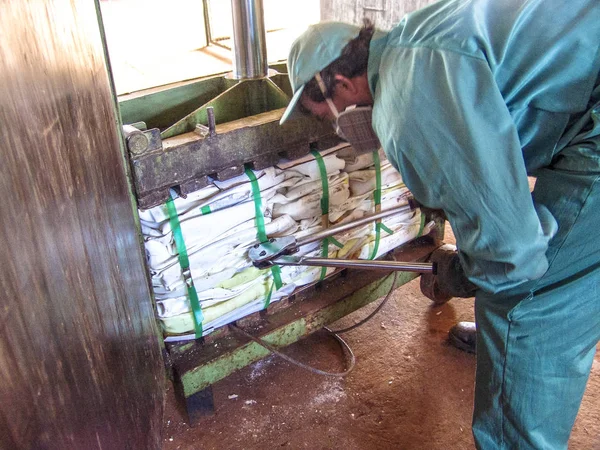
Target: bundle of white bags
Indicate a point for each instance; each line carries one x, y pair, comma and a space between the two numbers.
218, 225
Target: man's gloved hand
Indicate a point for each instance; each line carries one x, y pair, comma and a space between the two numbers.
433, 213
450, 280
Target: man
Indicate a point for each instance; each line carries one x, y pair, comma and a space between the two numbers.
468, 98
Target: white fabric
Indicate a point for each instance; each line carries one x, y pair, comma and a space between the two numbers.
227, 284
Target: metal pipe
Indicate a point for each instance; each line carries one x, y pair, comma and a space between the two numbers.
355, 223
249, 39
207, 29
356, 264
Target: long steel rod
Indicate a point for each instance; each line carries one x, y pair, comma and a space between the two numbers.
355, 223
249, 40
356, 264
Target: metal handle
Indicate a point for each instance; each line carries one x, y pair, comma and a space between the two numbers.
262, 253
356, 264
320, 235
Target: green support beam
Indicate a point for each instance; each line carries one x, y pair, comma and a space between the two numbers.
198, 366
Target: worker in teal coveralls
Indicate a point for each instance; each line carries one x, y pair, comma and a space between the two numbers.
468, 98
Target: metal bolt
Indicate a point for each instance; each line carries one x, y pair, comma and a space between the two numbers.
212, 125
201, 130
137, 143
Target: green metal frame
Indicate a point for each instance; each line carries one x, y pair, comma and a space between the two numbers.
245, 130
203, 376
245, 99
178, 108
198, 365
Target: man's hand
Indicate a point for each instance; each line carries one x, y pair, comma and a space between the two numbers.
433, 213
450, 280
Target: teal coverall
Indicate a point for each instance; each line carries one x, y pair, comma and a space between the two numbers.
471, 96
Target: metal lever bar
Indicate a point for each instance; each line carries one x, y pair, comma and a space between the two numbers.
355, 223
355, 264
262, 254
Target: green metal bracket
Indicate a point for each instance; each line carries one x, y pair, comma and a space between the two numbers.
162, 107
245, 99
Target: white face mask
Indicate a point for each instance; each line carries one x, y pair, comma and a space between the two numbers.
354, 124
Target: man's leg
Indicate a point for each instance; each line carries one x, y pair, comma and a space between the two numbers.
536, 344
533, 364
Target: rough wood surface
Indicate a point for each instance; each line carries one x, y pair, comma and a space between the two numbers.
80, 364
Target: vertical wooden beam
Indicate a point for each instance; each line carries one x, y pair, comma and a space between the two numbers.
80, 363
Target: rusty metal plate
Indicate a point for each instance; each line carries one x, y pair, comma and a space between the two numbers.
257, 140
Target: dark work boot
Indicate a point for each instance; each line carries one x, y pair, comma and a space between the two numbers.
463, 336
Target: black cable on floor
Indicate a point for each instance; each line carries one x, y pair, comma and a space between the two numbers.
291, 360
375, 311
334, 333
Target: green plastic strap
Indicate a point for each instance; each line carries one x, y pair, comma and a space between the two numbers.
324, 181
184, 262
377, 195
377, 162
422, 225
205, 210
324, 254
384, 228
261, 233
276, 271
377, 198
377, 239
324, 206
335, 242
268, 297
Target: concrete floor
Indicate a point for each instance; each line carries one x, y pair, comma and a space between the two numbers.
409, 390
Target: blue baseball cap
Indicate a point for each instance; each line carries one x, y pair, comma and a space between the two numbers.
315, 49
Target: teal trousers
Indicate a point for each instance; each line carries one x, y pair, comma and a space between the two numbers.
536, 343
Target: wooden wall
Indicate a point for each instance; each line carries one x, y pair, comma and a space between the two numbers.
80, 363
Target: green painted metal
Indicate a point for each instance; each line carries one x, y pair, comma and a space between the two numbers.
195, 380
185, 347
162, 107
245, 99
283, 82
280, 66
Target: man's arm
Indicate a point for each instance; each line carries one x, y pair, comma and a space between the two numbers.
450, 133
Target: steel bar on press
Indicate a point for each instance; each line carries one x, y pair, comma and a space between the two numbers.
356, 264
249, 39
320, 235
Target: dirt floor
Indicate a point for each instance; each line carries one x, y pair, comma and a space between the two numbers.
409, 390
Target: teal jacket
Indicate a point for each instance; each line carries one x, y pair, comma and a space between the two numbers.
470, 96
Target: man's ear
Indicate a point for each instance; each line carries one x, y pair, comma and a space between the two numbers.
345, 86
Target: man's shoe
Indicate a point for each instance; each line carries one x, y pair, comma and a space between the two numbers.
463, 336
